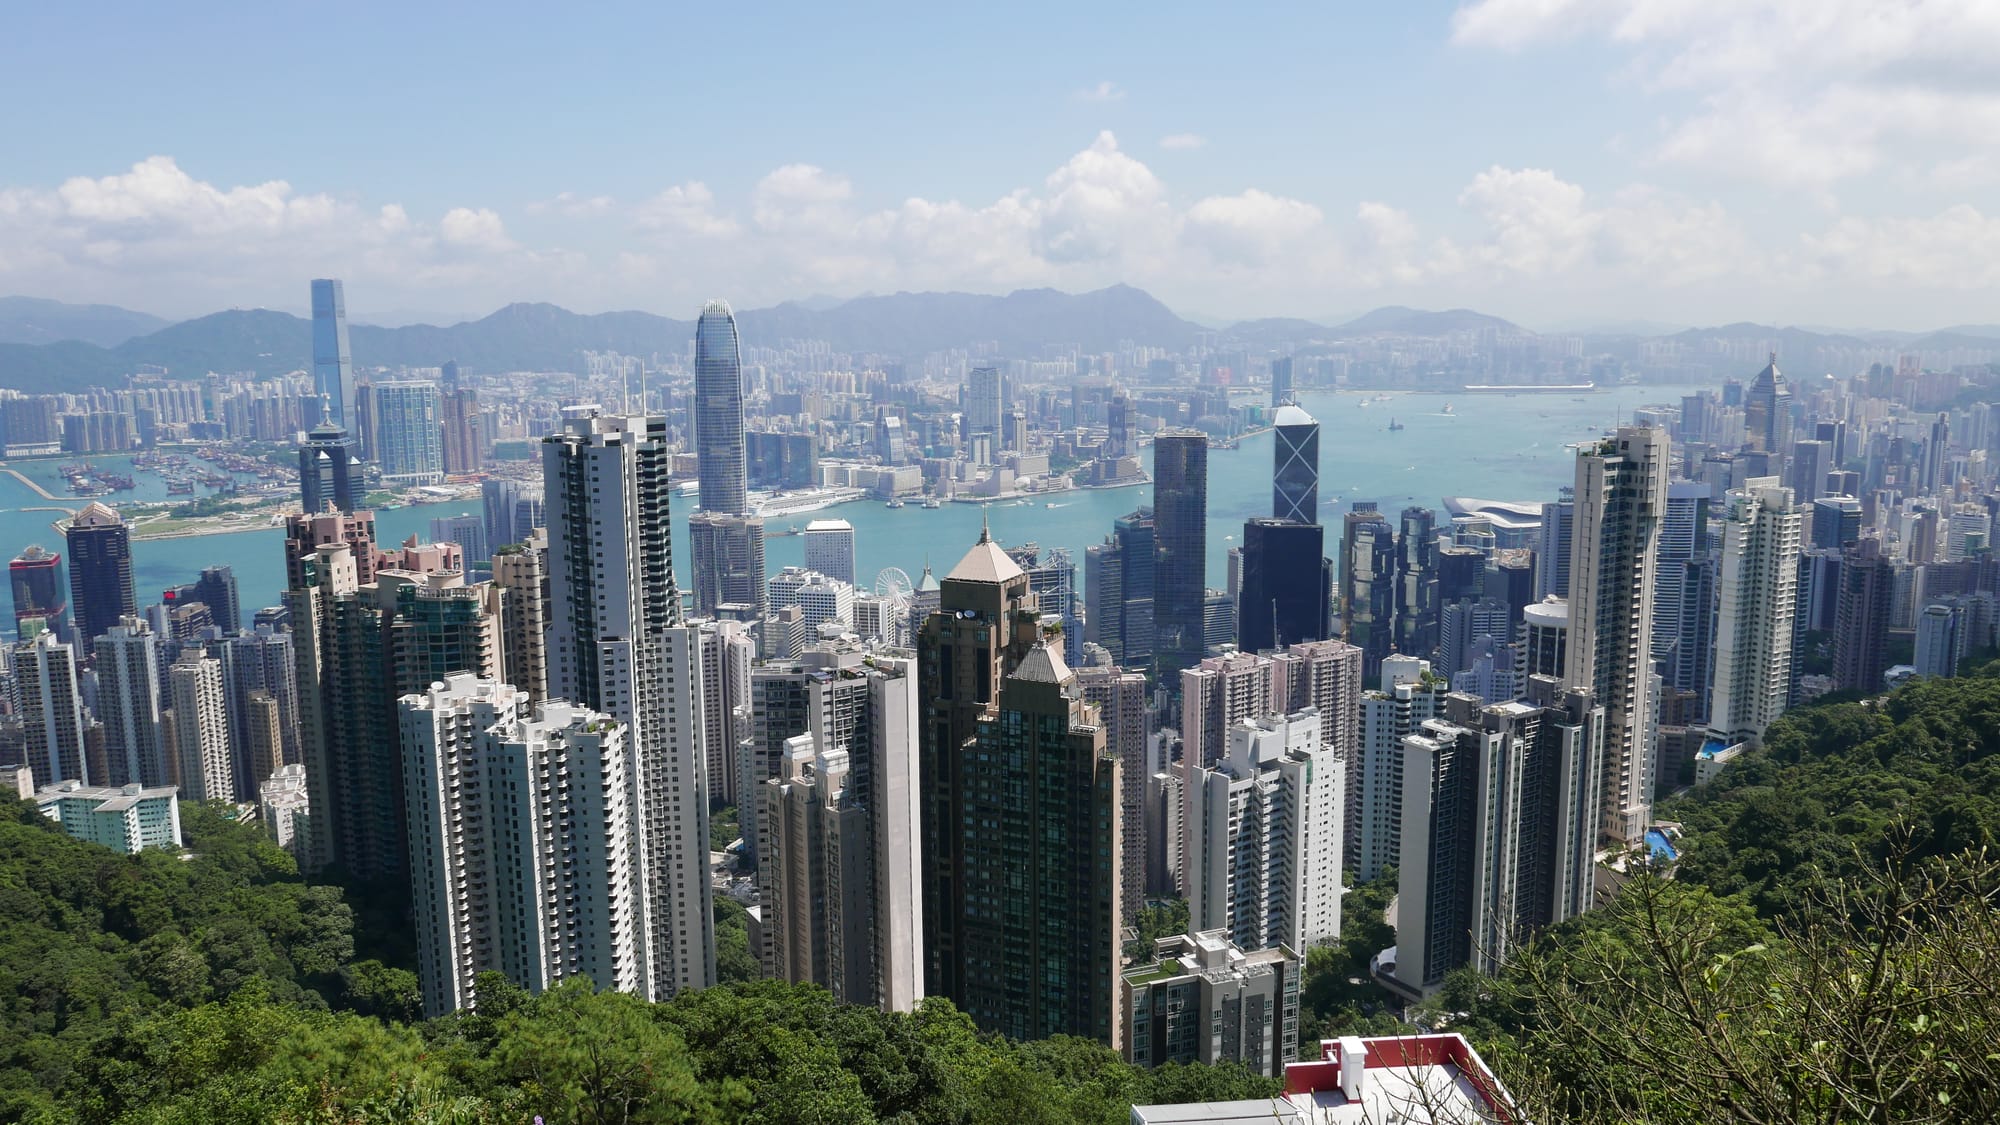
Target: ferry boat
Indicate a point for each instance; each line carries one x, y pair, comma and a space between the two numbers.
894, 502
933, 503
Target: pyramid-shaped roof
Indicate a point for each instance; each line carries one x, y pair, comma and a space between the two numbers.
1043, 665
986, 562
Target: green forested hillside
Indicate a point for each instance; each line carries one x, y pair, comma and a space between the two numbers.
223, 989
1827, 950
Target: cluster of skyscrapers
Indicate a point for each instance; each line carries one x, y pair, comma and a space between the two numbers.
971, 785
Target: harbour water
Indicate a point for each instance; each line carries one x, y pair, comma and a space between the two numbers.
1492, 446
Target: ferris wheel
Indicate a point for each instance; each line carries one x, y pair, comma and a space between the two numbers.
891, 582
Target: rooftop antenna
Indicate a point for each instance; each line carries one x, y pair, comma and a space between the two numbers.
985, 531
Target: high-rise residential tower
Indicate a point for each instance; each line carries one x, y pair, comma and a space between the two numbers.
409, 440
52, 715
1180, 536
1417, 583
718, 413
617, 644
521, 827
1759, 599
333, 368
1621, 488
197, 728
100, 571
128, 704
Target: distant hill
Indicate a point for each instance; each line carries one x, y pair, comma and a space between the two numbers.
33, 320
1396, 320
1278, 330
1028, 323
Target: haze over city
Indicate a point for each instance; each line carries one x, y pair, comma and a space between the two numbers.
1564, 163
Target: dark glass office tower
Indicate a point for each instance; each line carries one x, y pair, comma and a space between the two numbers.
1180, 529
333, 368
1295, 469
1417, 584
1281, 382
1287, 585
1368, 580
100, 571
327, 466
718, 412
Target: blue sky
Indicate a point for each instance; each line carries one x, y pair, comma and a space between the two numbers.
1557, 161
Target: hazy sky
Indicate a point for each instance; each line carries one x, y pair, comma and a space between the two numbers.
1560, 162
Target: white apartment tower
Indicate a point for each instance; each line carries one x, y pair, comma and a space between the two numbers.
521, 841
197, 726
128, 703
1621, 488
617, 645
1263, 844
837, 845
1758, 604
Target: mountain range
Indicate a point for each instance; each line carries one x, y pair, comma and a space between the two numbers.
51, 346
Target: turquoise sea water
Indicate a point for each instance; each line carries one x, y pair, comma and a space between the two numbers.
1505, 448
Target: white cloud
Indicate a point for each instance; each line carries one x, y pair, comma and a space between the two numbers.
1799, 93
571, 205
157, 238
1105, 91
687, 208
1180, 141
1255, 228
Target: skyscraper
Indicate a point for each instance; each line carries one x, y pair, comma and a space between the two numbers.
41, 592
1287, 585
1180, 529
459, 420
718, 413
1861, 621
1552, 553
1264, 855
1683, 591
197, 728
1767, 415
1281, 382
128, 704
985, 397
333, 368
522, 570
409, 440
521, 827
1295, 472
1040, 928
1118, 591
1759, 599
328, 465
837, 829
726, 556
257, 662
984, 625
830, 549
1120, 698
1417, 584
1621, 486
616, 644
1499, 829
100, 571
1368, 579
52, 717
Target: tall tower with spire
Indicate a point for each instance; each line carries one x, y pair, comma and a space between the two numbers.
327, 460
1767, 415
